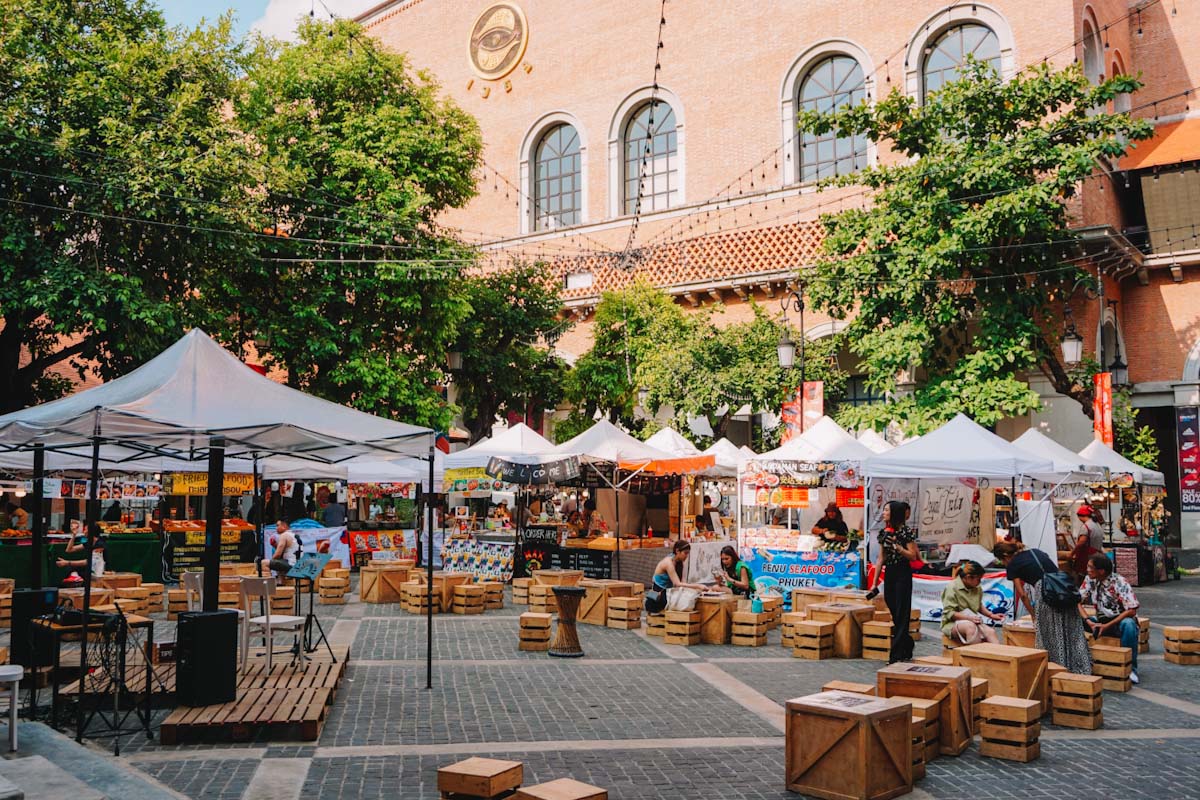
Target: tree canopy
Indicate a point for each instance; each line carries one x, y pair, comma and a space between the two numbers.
953, 272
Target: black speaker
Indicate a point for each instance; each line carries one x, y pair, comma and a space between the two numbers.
26, 605
206, 657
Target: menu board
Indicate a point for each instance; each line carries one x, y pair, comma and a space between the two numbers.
533, 555
1187, 432
187, 555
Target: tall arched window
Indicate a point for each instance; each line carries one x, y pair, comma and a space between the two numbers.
650, 134
1093, 53
832, 83
945, 56
557, 179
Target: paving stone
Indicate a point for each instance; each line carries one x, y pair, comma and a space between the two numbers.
204, 780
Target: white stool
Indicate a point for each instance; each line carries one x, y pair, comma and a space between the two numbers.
10, 678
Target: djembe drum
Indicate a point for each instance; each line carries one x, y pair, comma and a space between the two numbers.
566, 638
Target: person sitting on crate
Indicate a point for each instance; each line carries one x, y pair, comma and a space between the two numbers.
1115, 603
963, 611
94, 533
287, 549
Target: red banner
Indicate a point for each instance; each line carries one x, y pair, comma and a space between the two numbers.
803, 410
850, 498
1102, 424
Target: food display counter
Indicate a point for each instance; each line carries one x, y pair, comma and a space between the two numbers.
546, 546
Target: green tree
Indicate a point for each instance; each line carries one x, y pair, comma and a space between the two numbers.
363, 155
630, 324
119, 170
951, 272
506, 361
712, 371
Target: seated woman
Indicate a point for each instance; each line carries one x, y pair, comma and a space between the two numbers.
734, 575
832, 529
94, 534
668, 574
962, 608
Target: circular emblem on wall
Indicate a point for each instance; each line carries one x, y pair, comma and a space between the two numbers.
498, 40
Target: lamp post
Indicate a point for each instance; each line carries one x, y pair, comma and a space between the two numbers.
786, 349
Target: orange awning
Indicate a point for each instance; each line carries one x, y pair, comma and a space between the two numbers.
1172, 143
670, 466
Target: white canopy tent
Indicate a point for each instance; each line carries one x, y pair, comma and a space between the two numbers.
605, 442
874, 442
747, 452
961, 448
1069, 467
824, 441
1097, 452
519, 444
400, 470
194, 390
115, 459
727, 456
671, 441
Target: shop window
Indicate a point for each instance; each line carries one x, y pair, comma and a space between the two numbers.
651, 150
833, 83
557, 179
946, 55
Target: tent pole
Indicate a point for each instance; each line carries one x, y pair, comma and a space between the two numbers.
92, 517
617, 502
429, 575
39, 519
260, 504
212, 526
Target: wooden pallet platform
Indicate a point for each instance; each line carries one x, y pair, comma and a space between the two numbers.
286, 703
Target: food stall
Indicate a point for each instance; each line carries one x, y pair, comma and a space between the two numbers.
784, 492
943, 476
1133, 498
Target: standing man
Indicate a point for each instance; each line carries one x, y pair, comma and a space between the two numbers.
1116, 606
1090, 532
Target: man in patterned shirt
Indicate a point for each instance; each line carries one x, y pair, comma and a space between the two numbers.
1116, 606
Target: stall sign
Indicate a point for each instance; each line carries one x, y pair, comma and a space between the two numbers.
376, 490
195, 484
850, 498
1187, 432
536, 474
367, 546
927, 595
885, 490
791, 570
944, 513
473, 482
228, 536
544, 534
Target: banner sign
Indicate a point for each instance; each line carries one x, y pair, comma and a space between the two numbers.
368, 546
883, 491
545, 534
374, 491
803, 411
927, 595
789, 570
491, 560
195, 484
944, 513
850, 498
1102, 423
537, 474
1187, 432
313, 539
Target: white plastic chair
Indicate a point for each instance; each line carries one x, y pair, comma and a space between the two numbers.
10, 677
263, 589
193, 584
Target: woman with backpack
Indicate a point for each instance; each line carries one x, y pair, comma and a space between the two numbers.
1058, 631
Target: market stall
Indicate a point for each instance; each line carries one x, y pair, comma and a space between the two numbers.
948, 477
783, 495
382, 497
1133, 498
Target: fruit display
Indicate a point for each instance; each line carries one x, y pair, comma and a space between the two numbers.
14, 533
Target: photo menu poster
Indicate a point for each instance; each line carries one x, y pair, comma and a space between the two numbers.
1187, 433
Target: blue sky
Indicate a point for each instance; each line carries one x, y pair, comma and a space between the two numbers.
272, 17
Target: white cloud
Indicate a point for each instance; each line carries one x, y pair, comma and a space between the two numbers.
281, 16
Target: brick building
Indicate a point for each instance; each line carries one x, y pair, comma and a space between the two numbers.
565, 95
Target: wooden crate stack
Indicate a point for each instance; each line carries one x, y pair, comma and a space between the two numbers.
656, 624
877, 640
154, 600
224, 599
1143, 634
521, 590
773, 608
625, 613
683, 628
812, 640
414, 598
1113, 664
1010, 728
542, 599
132, 600
469, 599
379, 582
1010, 671
848, 619
176, 602
931, 726
750, 629
493, 595
786, 623
917, 734
914, 624
535, 631
332, 590
284, 600
480, 779
980, 691
1181, 645
1077, 700
1019, 633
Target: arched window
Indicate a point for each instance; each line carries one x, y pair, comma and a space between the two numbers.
557, 179
650, 135
1093, 52
832, 83
945, 56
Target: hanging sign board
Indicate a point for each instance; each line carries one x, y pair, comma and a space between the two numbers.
1102, 422
195, 484
536, 474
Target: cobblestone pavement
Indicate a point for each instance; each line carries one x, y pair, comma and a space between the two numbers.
645, 720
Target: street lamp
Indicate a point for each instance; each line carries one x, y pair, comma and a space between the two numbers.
1119, 369
643, 396
454, 360
786, 349
1072, 345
